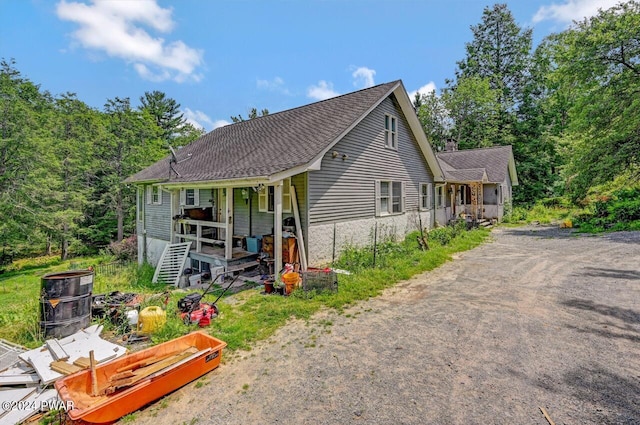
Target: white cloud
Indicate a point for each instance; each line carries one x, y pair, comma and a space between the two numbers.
363, 77
426, 89
220, 123
276, 85
119, 28
572, 10
199, 119
323, 90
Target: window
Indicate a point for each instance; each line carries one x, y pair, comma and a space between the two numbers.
390, 132
500, 195
464, 195
266, 197
425, 196
440, 200
190, 197
154, 195
390, 198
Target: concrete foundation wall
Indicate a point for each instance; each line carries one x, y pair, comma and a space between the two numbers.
155, 247
359, 233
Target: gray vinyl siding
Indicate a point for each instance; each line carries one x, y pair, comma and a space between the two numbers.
158, 218
241, 213
206, 197
262, 222
345, 189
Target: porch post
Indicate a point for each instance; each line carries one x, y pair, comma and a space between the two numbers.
175, 210
481, 195
228, 234
277, 227
452, 196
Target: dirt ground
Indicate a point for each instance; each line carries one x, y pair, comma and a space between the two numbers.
536, 318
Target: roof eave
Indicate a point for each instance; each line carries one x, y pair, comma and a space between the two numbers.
418, 131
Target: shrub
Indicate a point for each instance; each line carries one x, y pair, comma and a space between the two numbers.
125, 250
444, 235
619, 210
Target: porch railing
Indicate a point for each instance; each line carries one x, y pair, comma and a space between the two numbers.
206, 231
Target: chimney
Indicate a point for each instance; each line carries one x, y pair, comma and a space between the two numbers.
451, 145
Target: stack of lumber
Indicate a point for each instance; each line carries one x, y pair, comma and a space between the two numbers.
26, 374
60, 357
134, 373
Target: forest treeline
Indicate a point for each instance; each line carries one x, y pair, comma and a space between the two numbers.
62, 164
570, 107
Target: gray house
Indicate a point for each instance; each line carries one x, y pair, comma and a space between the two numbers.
305, 182
478, 184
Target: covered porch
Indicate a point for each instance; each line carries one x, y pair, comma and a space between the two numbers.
225, 223
470, 200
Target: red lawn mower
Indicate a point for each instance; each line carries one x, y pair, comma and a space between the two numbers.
194, 310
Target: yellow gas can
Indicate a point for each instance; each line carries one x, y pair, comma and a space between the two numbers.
151, 319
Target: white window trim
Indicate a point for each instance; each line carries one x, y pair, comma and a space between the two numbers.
391, 135
196, 197
440, 200
263, 197
428, 195
150, 194
500, 195
378, 198
140, 204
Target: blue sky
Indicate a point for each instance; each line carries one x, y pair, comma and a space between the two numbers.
224, 57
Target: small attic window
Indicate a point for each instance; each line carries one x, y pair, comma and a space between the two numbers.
390, 132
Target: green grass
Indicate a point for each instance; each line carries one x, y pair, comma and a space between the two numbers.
20, 292
252, 316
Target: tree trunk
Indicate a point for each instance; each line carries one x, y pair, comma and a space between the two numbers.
120, 215
64, 246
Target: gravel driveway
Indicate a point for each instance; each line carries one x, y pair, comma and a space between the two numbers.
536, 318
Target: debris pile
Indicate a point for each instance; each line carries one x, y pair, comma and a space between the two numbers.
25, 382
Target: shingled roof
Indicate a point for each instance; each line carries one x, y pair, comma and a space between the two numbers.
485, 164
268, 145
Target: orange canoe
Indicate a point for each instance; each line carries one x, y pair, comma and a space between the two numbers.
128, 383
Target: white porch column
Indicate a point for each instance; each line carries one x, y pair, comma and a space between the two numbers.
277, 228
175, 210
228, 235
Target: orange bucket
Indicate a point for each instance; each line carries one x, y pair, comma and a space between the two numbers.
291, 280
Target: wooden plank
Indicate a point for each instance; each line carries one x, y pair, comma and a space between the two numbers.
94, 377
56, 349
63, 367
144, 372
16, 416
146, 362
299, 234
19, 379
122, 375
546, 415
76, 345
83, 362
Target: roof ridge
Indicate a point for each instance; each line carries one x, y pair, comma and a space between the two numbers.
312, 103
477, 149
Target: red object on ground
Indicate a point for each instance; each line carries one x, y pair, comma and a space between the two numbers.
109, 408
205, 311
